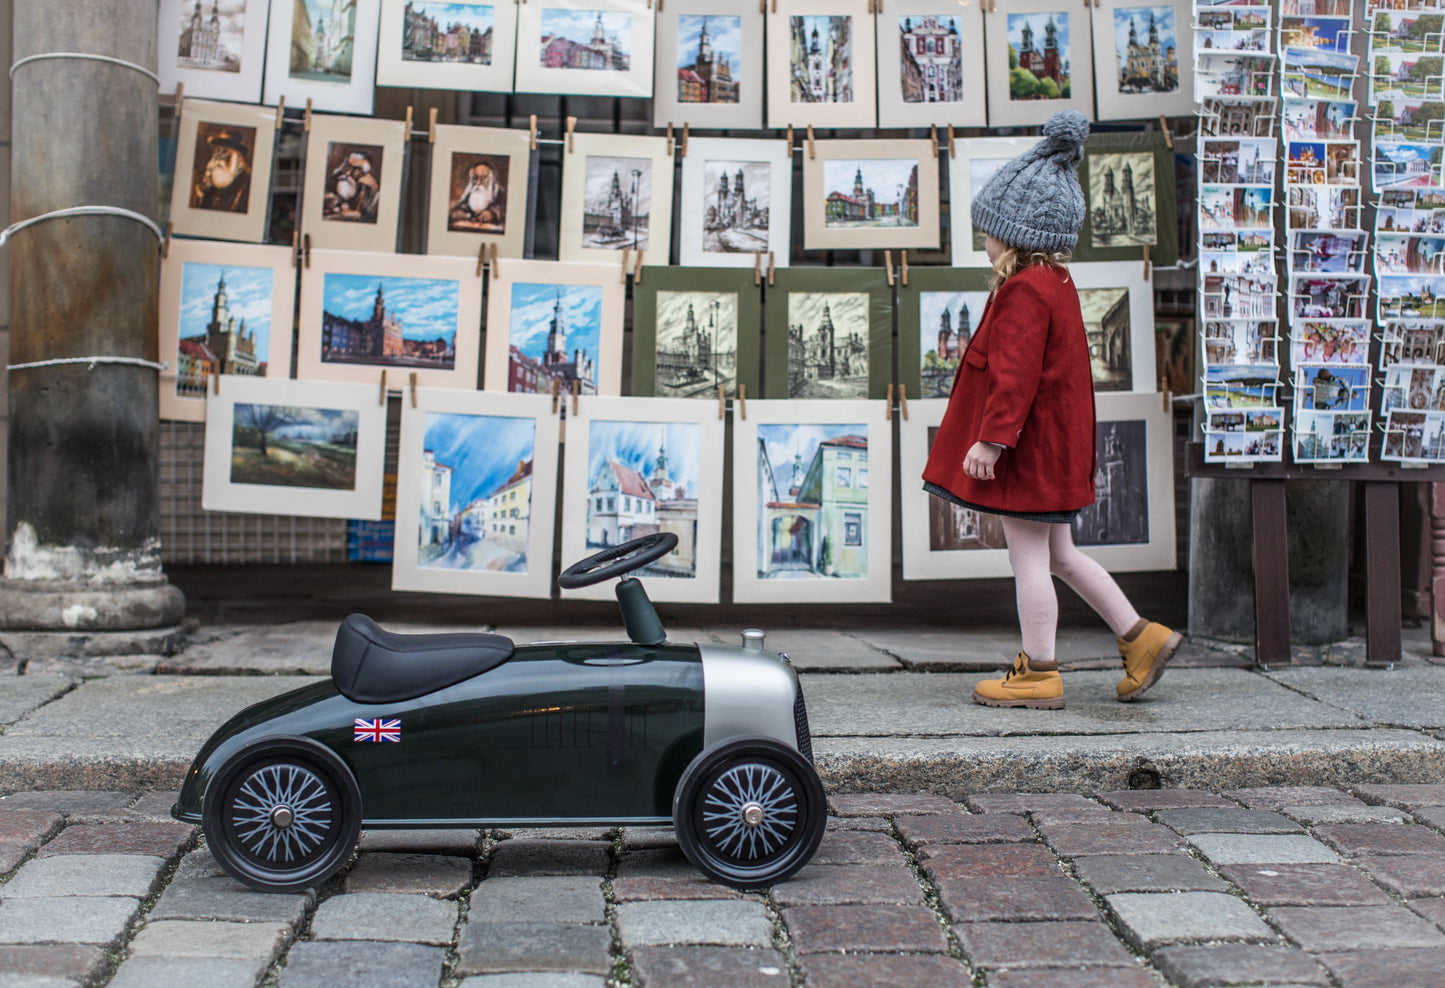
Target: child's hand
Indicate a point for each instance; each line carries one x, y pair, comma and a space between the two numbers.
979, 462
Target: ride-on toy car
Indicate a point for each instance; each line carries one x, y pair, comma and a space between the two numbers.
470, 730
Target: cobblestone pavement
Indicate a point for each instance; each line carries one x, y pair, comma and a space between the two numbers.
1281, 886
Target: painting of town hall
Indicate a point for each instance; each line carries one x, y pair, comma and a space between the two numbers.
946, 322
476, 492
735, 214
812, 501
600, 40
617, 203
225, 324
555, 334
874, 193
643, 479
389, 322
828, 344
709, 57
697, 343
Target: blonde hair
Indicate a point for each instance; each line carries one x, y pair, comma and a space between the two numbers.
1015, 259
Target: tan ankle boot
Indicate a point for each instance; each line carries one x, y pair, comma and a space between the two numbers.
1022, 687
1144, 659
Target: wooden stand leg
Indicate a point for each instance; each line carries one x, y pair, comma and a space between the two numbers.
1437, 567
1382, 573
1271, 573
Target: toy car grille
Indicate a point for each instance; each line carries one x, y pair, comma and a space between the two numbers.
800, 720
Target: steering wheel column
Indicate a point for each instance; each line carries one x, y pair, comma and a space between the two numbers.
639, 617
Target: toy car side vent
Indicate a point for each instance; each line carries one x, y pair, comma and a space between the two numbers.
800, 721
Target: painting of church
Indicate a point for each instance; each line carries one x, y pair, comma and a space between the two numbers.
1120, 512
821, 59
709, 51
224, 326
1147, 56
554, 335
735, 220
930, 59
643, 480
1038, 69
813, 501
1121, 200
828, 344
389, 322
946, 322
211, 39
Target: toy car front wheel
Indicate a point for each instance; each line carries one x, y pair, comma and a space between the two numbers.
282, 815
749, 812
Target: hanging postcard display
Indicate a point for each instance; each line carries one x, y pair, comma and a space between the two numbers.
616, 196
1128, 183
870, 194
323, 51
737, 201
309, 448
476, 494
930, 65
223, 171
466, 45
637, 466
938, 311
587, 47
1142, 62
224, 309
352, 194
214, 48
709, 66
810, 525
839, 334
555, 327
971, 164
1040, 61
821, 64
408, 315
478, 197
696, 331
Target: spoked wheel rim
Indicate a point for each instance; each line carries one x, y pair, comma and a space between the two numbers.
282, 814
749, 813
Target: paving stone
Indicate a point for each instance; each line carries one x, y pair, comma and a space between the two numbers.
261, 942
550, 898
873, 928
459, 843
1432, 816
1405, 797
940, 861
647, 888
709, 923
836, 885
69, 962
1076, 814
1109, 873
1412, 876
68, 919
155, 806
850, 971
1154, 919
1305, 885
1411, 968
1355, 839
555, 833
996, 946
1343, 813
161, 840
68, 801
225, 899
820, 649
12, 856
359, 964
28, 827
428, 874
200, 863
534, 979
385, 916
707, 967
187, 972
1025, 802
484, 948
86, 874
888, 804
1089, 977
1275, 797
1149, 800
857, 823
638, 838
551, 857
1014, 899
1226, 821
1072, 840
1333, 928
657, 862
860, 847
1217, 965
1431, 909
972, 828
1226, 849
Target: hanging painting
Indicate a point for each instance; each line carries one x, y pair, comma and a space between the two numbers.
972, 163
476, 494
1143, 59
737, 201
938, 311
1118, 307
870, 195
586, 47
821, 64
810, 525
930, 65
694, 331
1128, 184
214, 48
616, 196
1040, 61
352, 195
478, 191
466, 45
323, 51
222, 179
831, 334
709, 67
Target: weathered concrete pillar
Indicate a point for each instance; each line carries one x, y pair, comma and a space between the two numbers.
82, 565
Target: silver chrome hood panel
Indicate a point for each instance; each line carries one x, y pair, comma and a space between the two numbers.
748, 692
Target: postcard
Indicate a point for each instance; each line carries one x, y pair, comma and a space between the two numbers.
1414, 436
1324, 437
1335, 251
1322, 387
1330, 341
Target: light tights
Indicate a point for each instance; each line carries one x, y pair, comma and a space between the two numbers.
1037, 552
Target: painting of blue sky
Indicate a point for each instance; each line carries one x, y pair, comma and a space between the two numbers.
482, 450
532, 309
635, 445
427, 307
724, 35
248, 293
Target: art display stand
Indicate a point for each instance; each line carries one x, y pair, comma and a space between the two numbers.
1381, 490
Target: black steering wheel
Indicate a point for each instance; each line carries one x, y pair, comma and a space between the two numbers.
616, 560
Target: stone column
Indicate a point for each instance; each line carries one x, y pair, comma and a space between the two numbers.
82, 567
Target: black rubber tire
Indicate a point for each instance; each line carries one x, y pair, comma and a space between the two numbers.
297, 773
706, 812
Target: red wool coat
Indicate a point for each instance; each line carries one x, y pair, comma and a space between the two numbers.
1025, 383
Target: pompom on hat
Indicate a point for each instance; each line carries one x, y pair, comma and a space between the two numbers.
1034, 202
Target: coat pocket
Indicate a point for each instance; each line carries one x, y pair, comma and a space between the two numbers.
976, 358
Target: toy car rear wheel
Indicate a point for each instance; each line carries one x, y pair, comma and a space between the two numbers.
282, 815
749, 812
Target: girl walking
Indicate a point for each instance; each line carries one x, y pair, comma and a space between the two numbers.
1017, 439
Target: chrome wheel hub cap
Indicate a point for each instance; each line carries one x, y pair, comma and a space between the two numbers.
750, 812
282, 816
282, 813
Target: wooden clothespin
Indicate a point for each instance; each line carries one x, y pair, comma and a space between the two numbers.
626, 256
933, 135
812, 149
762, 6
1148, 268
413, 388
408, 122
775, 6
992, 7
306, 250
280, 111
670, 146
1168, 134
492, 259
306, 121
790, 140
295, 248
770, 267
381, 397
903, 273
215, 376
180, 96
950, 140
722, 391
903, 400
431, 126
743, 401
637, 268
888, 409
757, 267
556, 390
682, 148
576, 390
166, 243
532, 130
571, 129
888, 263
1168, 400
481, 258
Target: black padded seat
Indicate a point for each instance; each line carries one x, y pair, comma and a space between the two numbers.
370, 665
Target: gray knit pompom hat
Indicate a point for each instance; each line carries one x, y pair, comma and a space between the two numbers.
1034, 201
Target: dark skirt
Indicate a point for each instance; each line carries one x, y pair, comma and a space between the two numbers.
1050, 517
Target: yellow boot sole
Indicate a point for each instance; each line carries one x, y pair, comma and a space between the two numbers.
1054, 703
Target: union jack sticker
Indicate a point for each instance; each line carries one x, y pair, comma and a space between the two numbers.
378, 730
